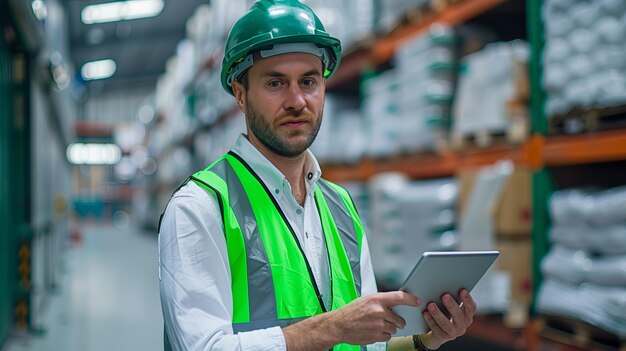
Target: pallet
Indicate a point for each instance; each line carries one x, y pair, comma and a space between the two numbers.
516, 133
480, 139
418, 14
579, 334
440, 146
591, 120
411, 17
441, 5
516, 315
423, 12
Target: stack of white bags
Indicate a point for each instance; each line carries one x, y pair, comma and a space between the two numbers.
407, 108
585, 271
584, 64
488, 84
408, 218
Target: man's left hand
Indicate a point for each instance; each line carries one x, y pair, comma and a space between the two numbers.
444, 329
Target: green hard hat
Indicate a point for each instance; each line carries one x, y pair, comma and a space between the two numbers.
274, 27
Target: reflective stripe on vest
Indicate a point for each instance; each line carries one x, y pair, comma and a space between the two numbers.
272, 282
348, 223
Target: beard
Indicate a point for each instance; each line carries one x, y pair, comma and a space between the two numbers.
275, 142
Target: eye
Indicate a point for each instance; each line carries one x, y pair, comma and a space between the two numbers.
274, 84
307, 82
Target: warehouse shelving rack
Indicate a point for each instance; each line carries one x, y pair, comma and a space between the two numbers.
570, 154
380, 50
7, 256
16, 238
34, 173
536, 153
540, 153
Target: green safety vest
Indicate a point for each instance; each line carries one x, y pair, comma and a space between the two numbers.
272, 281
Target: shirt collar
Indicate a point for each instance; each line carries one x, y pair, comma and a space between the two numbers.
269, 174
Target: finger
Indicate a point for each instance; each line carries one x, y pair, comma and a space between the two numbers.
395, 319
441, 319
389, 328
432, 325
469, 305
394, 298
454, 309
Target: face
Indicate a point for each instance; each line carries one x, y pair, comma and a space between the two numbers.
284, 102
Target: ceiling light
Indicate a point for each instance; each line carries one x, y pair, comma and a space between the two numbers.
39, 9
121, 11
93, 154
98, 69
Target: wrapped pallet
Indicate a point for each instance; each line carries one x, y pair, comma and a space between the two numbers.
583, 56
587, 261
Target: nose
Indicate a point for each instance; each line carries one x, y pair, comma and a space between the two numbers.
294, 99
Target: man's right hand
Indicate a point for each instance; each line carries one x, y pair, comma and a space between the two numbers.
364, 321
370, 319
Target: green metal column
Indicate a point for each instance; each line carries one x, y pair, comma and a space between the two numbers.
21, 188
539, 122
15, 184
7, 263
542, 185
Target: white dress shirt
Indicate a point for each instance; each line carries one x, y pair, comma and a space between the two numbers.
194, 272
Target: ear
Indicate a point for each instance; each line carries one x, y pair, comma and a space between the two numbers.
240, 96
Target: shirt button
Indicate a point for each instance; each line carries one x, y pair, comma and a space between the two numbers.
277, 191
299, 211
310, 176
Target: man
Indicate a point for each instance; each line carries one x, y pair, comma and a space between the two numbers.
256, 251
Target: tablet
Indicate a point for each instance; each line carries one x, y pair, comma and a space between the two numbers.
437, 273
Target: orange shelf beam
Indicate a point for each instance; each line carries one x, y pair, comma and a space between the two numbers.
424, 166
415, 166
453, 15
535, 153
420, 166
482, 157
585, 148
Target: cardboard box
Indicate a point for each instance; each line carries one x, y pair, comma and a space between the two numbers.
512, 215
516, 260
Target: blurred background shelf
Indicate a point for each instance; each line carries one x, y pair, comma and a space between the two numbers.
455, 13
432, 165
586, 148
453, 123
379, 49
566, 150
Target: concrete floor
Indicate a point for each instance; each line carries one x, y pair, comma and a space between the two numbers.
108, 298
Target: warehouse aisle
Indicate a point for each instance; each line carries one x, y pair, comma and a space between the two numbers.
108, 299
